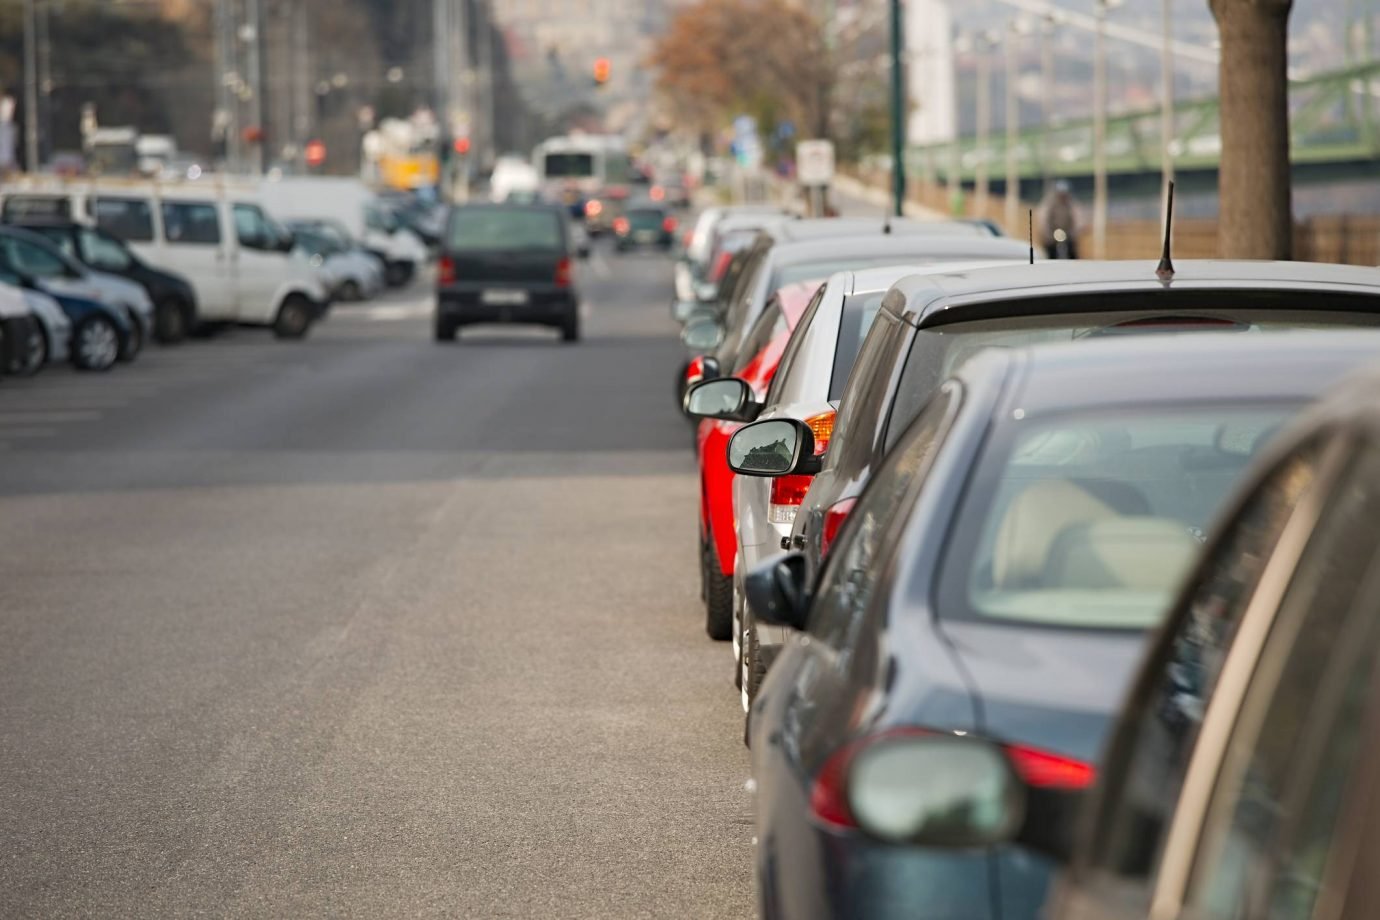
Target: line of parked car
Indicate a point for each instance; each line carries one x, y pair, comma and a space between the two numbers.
92, 270
1050, 586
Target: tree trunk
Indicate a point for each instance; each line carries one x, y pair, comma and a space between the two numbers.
1256, 200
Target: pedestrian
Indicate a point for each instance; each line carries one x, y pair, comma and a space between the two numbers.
1060, 221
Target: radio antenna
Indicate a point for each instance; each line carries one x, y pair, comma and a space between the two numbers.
1030, 226
1165, 271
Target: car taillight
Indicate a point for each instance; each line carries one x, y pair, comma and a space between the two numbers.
669, 225
445, 270
563, 272
833, 523
787, 494
657, 193
1038, 769
594, 207
621, 225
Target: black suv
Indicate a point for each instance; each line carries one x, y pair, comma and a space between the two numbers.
504, 264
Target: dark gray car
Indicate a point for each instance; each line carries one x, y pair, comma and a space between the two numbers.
996, 581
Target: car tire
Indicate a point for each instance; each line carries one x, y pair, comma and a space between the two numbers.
718, 597
396, 274
95, 344
570, 329
172, 320
445, 330
753, 667
350, 292
134, 342
30, 354
294, 318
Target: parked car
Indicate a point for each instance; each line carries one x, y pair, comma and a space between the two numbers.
93, 334
38, 262
791, 262
219, 238
172, 296
1238, 779
21, 337
53, 324
693, 266
350, 274
644, 225
507, 264
996, 581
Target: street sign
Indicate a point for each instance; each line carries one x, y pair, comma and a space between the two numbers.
814, 162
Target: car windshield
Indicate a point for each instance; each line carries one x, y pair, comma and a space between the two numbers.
1091, 520
504, 229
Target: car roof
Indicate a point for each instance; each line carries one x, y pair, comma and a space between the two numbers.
820, 228
937, 246
870, 280
936, 298
1195, 367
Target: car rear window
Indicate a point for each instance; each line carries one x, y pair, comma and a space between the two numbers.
504, 230
859, 310
645, 219
569, 165
1091, 520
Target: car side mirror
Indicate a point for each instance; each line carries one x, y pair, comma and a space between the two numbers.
776, 592
582, 251
707, 290
702, 335
682, 310
286, 243
727, 398
935, 790
775, 447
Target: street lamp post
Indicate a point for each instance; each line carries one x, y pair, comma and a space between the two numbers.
898, 113
1100, 132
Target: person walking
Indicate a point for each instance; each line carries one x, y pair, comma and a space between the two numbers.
1060, 221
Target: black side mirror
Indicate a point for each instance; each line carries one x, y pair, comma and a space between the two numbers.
775, 447
776, 592
286, 243
726, 398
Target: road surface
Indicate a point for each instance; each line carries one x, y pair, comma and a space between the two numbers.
367, 626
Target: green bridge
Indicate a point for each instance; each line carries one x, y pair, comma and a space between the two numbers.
1335, 133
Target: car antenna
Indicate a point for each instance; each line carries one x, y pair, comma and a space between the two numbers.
1030, 224
1165, 271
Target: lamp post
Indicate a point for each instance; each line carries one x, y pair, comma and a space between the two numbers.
898, 113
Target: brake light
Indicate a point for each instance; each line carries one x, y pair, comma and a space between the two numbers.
563, 272
787, 495
1039, 769
445, 270
621, 225
657, 193
833, 523
669, 225
594, 207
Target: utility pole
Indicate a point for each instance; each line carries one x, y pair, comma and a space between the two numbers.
1100, 133
984, 122
1167, 128
1013, 117
898, 112
31, 162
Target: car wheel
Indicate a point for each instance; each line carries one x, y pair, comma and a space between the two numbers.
31, 354
718, 597
134, 342
570, 329
95, 344
396, 274
753, 668
172, 320
350, 291
294, 318
445, 330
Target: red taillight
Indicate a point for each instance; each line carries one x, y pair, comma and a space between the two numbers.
1039, 769
833, 523
657, 193
787, 494
669, 225
563, 272
594, 207
621, 226
445, 270
1044, 770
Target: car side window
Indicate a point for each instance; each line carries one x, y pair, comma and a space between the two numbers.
29, 259
783, 369
1281, 783
128, 218
102, 252
763, 331
252, 229
191, 223
1148, 758
855, 564
866, 397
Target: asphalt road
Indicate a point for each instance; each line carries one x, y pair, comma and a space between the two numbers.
366, 626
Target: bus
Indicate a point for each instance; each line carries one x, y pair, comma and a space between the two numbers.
592, 174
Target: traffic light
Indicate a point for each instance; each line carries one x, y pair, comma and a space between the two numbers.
602, 69
462, 145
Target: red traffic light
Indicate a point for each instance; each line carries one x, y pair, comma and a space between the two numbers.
462, 145
315, 153
602, 69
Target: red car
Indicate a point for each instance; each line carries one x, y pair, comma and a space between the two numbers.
761, 353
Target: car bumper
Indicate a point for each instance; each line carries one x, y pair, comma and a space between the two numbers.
540, 308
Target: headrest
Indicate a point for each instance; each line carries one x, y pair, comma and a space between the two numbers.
1139, 552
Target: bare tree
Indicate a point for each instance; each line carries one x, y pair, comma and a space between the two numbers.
1256, 201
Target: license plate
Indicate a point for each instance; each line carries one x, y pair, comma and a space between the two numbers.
645, 236
504, 297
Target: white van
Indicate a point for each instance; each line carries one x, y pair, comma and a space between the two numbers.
216, 234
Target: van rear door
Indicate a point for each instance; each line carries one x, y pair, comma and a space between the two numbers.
505, 247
